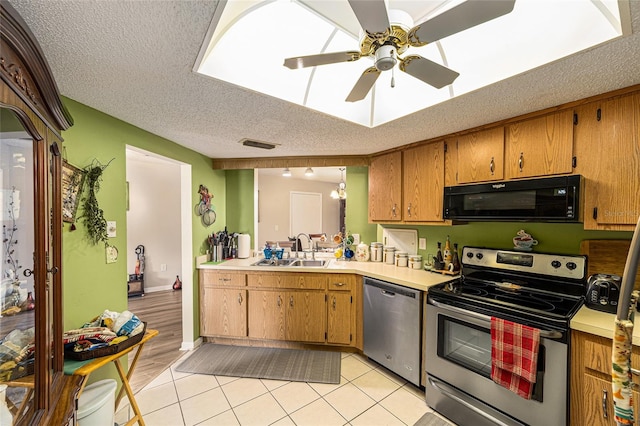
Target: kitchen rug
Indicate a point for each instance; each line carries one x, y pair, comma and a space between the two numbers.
264, 363
430, 419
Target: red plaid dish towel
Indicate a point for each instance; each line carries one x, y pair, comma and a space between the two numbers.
514, 356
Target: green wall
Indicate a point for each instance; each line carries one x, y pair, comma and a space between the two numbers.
357, 181
239, 202
91, 285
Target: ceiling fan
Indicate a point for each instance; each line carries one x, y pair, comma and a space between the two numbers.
385, 39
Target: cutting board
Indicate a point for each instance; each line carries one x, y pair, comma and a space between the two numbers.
607, 257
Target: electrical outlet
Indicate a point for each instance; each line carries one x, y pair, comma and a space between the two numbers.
422, 243
163, 267
356, 239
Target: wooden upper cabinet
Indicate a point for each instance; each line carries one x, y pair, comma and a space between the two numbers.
480, 156
540, 146
385, 188
607, 144
423, 183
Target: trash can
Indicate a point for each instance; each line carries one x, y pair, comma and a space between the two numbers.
96, 406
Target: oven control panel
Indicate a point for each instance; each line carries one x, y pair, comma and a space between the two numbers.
558, 265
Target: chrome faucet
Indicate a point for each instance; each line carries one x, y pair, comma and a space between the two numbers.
304, 253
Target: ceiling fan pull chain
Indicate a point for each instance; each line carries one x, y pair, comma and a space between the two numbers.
393, 77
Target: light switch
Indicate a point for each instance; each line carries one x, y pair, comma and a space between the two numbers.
111, 228
422, 243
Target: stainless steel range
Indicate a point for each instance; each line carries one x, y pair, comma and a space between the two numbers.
535, 289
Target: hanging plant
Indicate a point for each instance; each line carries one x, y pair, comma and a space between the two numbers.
92, 215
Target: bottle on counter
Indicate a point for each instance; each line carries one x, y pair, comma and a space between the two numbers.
439, 257
447, 254
455, 260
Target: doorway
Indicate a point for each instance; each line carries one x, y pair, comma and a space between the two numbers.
159, 218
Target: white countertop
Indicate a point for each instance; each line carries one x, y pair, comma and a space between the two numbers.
418, 279
600, 323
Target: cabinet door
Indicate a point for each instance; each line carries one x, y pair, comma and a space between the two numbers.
224, 312
385, 187
540, 146
339, 317
608, 156
267, 314
598, 402
481, 156
423, 183
306, 316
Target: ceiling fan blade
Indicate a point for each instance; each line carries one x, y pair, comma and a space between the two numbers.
428, 71
464, 16
372, 15
363, 85
321, 59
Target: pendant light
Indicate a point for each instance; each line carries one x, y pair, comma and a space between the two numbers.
286, 172
308, 172
340, 193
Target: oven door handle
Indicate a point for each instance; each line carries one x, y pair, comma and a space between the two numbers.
547, 334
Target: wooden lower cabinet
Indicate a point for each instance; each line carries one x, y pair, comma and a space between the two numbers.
339, 311
319, 308
306, 319
287, 315
590, 395
226, 312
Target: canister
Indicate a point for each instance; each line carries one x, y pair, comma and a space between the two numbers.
415, 261
388, 255
402, 259
376, 252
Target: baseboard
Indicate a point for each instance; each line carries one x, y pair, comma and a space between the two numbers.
158, 288
187, 346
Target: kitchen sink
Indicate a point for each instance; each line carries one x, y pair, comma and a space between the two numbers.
274, 262
308, 263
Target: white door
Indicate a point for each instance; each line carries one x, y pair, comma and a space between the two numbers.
306, 213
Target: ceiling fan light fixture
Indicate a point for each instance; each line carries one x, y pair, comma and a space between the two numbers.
340, 193
286, 172
386, 57
308, 172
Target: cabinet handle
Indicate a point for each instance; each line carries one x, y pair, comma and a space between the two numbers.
240, 298
521, 161
334, 303
279, 301
291, 301
492, 166
604, 403
339, 284
393, 210
409, 210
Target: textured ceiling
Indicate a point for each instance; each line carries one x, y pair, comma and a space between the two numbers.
134, 60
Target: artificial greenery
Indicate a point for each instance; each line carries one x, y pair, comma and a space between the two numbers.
92, 215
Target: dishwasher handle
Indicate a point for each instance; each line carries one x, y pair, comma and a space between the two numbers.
387, 293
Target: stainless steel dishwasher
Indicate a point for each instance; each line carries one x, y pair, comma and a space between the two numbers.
392, 332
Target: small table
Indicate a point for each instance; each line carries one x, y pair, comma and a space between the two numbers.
85, 368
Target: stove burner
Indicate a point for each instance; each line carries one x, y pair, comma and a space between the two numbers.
526, 302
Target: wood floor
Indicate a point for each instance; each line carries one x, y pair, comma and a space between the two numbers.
161, 311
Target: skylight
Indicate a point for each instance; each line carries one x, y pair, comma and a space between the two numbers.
251, 39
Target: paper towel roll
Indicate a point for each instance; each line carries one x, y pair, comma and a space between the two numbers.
244, 246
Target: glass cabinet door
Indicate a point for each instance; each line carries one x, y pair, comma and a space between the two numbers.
18, 293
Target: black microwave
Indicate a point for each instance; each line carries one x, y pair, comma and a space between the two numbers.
552, 199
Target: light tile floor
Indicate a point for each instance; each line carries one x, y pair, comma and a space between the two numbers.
367, 395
